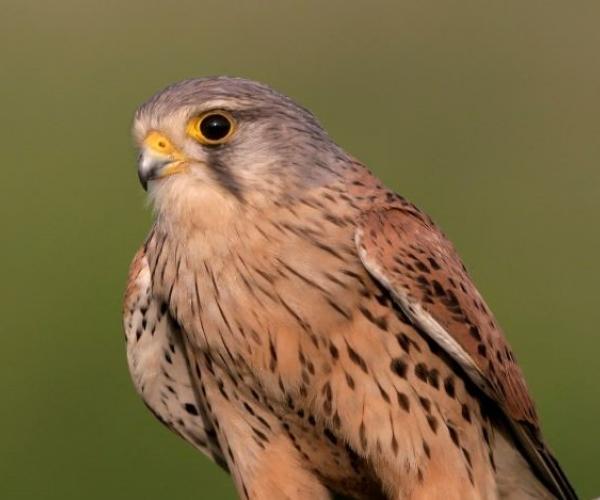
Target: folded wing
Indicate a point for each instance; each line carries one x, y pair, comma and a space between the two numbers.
409, 256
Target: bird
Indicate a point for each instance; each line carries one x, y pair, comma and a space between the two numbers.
309, 330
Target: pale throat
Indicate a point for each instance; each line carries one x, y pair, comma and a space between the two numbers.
202, 219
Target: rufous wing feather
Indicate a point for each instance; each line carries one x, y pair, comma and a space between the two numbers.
409, 255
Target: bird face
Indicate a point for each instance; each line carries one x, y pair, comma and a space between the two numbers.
227, 141
191, 140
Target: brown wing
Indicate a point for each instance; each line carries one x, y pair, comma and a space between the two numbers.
409, 256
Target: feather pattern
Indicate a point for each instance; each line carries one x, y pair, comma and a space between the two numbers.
410, 257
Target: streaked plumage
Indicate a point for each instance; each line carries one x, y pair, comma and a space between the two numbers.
308, 329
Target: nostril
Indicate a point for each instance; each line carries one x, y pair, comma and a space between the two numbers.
162, 144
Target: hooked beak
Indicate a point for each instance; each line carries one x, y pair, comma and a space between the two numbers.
159, 158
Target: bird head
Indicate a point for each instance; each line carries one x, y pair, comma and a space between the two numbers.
218, 142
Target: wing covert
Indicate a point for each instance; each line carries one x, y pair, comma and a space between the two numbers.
404, 250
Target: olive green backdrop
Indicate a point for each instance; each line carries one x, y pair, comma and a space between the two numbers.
486, 114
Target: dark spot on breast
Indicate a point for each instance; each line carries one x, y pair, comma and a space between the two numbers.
433, 423
261, 435
273, 352
384, 394
301, 358
466, 414
470, 474
190, 408
449, 386
221, 387
357, 359
333, 351
453, 435
263, 422
404, 342
467, 456
434, 378
349, 381
425, 403
403, 401
399, 367
421, 371
338, 308
379, 321
426, 449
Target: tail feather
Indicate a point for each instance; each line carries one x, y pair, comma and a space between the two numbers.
528, 470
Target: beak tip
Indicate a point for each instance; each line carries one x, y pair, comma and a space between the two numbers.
154, 166
143, 180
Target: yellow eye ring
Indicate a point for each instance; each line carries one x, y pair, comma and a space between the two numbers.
212, 127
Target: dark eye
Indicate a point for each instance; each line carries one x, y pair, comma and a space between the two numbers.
214, 127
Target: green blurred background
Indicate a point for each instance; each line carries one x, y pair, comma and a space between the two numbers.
486, 114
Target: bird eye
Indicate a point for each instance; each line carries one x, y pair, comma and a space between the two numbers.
211, 128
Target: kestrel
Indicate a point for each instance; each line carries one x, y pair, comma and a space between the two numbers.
308, 329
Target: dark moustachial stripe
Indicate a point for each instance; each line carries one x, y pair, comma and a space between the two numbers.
223, 174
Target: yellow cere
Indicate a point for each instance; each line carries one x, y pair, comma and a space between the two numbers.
158, 143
